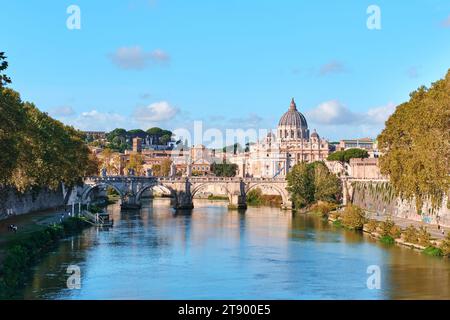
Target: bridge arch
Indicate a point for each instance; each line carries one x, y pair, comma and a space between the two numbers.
281, 191
196, 189
87, 191
165, 188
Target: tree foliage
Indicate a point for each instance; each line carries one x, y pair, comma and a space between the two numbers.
4, 79
346, 155
120, 139
353, 217
136, 162
163, 169
416, 145
162, 136
312, 182
110, 161
224, 169
12, 121
37, 150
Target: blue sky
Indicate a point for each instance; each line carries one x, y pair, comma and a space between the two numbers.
141, 63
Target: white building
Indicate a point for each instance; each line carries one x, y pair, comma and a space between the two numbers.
277, 153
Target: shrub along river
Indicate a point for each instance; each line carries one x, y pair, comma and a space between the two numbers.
213, 253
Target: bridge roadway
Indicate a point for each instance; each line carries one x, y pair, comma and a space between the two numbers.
183, 189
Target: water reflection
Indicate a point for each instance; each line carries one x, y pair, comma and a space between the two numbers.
212, 253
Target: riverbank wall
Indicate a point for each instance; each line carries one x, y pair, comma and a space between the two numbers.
380, 197
17, 203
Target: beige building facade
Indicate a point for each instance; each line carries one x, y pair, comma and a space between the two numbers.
278, 152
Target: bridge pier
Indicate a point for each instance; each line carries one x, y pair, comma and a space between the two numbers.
183, 201
130, 202
237, 201
287, 205
183, 195
237, 196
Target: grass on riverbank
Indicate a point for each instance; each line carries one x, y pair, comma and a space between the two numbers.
433, 251
27, 249
387, 240
213, 197
387, 232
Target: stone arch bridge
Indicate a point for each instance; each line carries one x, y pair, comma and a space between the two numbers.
183, 189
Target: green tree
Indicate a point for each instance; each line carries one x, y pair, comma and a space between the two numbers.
4, 79
234, 148
224, 169
163, 136
415, 145
301, 185
136, 133
155, 131
327, 186
345, 155
313, 182
255, 197
38, 151
119, 132
12, 122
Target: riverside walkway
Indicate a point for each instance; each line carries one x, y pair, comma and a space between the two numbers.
404, 223
27, 223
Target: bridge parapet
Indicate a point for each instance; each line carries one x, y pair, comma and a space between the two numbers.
178, 179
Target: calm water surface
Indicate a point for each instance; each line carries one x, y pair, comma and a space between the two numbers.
213, 253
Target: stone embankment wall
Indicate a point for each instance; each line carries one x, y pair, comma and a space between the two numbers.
379, 197
22, 203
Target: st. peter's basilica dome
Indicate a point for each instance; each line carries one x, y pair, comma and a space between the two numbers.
293, 124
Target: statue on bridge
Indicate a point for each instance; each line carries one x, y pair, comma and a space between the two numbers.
188, 170
173, 170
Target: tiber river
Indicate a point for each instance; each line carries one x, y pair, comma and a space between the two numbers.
213, 253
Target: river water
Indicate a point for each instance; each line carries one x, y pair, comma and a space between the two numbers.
213, 253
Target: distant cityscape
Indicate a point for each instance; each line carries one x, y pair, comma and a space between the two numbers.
146, 152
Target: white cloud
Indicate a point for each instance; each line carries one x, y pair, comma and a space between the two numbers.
156, 112
159, 55
335, 113
331, 112
95, 120
335, 120
135, 58
379, 115
332, 67
63, 111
